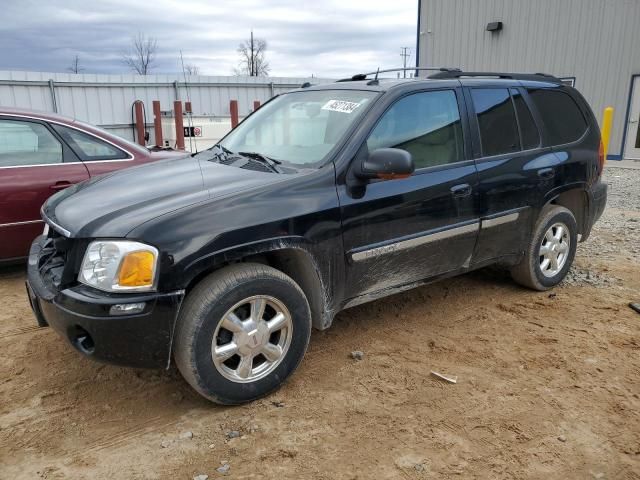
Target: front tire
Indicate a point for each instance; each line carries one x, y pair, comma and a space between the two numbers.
241, 332
551, 250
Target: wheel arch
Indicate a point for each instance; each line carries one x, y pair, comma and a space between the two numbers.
288, 255
574, 198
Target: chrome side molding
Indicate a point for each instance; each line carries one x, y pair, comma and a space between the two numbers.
415, 241
501, 220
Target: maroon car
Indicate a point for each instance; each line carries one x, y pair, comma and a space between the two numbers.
42, 153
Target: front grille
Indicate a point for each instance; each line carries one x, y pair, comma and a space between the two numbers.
57, 261
53, 258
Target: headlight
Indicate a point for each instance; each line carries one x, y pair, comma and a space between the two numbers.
119, 266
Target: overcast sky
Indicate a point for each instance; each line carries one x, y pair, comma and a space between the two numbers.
332, 38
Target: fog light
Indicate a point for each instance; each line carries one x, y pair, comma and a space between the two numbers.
127, 308
82, 340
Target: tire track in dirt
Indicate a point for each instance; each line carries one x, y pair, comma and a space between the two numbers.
22, 331
139, 429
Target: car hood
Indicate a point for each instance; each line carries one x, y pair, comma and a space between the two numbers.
166, 154
112, 205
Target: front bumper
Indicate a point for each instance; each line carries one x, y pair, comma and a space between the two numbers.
81, 315
597, 196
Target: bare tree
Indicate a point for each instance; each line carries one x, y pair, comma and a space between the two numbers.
252, 58
75, 65
191, 69
141, 56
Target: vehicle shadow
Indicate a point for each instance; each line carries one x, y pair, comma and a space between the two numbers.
13, 270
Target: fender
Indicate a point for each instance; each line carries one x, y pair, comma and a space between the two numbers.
318, 279
554, 193
582, 216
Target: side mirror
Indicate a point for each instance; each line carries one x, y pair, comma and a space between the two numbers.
387, 164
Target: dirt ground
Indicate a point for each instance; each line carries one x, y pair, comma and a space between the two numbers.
548, 387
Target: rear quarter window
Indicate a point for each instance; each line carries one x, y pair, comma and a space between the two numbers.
88, 147
562, 118
529, 135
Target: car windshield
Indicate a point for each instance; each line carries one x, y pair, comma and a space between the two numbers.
299, 128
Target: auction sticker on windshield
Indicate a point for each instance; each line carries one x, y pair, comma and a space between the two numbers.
340, 106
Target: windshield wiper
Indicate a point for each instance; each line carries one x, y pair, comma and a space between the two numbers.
215, 153
271, 162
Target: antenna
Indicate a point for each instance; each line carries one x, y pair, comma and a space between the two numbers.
189, 114
375, 80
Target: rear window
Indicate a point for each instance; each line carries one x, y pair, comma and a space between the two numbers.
562, 118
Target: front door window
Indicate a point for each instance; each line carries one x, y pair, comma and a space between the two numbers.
425, 124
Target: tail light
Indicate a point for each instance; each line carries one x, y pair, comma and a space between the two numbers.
600, 158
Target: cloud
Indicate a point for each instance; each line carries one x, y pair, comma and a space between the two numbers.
327, 39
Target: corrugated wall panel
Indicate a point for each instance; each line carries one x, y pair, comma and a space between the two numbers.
597, 41
106, 100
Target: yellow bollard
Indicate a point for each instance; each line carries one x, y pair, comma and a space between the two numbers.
607, 123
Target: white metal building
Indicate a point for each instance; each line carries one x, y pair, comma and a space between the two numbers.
595, 42
106, 100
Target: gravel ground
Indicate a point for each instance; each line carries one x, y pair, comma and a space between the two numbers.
548, 386
617, 233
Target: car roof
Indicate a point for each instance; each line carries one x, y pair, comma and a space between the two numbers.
37, 114
386, 84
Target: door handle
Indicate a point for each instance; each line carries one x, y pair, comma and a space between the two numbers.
463, 190
546, 173
61, 185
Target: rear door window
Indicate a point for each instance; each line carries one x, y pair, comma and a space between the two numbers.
563, 120
27, 143
529, 135
88, 147
496, 121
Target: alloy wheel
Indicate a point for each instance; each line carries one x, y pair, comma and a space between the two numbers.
251, 339
554, 249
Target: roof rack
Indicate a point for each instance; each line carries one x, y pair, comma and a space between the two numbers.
540, 77
363, 76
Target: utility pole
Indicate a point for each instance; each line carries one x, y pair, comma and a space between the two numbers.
405, 55
251, 63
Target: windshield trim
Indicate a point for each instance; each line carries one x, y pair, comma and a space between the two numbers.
345, 137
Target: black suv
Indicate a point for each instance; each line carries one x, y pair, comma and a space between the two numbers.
326, 197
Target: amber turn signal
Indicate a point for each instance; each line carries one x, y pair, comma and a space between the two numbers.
136, 269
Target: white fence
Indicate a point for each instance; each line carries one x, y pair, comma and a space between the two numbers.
106, 100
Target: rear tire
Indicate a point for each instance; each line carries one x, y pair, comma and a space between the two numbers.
241, 332
551, 250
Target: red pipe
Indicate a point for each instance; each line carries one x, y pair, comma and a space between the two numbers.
140, 122
233, 108
177, 111
256, 105
157, 123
